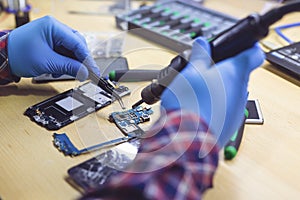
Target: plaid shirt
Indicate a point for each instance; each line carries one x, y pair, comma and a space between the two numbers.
177, 160
5, 75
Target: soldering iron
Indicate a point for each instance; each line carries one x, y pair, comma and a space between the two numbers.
241, 36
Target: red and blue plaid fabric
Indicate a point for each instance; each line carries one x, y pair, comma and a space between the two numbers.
5, 75
177, 160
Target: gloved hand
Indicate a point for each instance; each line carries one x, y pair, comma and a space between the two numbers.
216, 93
47, 46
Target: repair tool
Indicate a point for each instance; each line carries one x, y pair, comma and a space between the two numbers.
232, 147
243, 35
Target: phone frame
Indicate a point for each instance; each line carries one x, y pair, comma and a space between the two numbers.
258, 113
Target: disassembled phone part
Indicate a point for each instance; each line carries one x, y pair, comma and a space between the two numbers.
126, 121
255, 114
94, 172
65, 108
64, 144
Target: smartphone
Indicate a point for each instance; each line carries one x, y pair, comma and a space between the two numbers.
255, 114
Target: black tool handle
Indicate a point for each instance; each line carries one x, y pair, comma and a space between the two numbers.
233, 145
243, 35
238, 38
151, 94
133, 75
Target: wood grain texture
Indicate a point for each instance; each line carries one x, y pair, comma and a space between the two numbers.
266, 167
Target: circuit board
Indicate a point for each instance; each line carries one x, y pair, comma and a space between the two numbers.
69, 106
94, 172
127, 121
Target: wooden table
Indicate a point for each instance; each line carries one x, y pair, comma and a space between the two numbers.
266, 167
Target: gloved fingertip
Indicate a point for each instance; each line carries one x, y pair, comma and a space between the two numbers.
254, 57
200, 58
90, 63
82, 74
80, 36
203, 43
260, 52
96, 71
201, 50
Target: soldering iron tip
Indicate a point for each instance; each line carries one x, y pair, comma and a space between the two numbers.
137, 104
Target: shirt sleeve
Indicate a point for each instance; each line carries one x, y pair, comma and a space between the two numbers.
5, 73
177, 160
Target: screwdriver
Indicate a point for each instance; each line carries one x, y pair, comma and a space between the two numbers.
232, 147
241, 36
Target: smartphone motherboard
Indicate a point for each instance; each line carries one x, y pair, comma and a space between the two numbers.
71, 105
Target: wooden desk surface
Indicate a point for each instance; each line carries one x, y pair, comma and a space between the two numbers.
266, 167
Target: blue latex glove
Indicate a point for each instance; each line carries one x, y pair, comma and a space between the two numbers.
46, 46
216, 93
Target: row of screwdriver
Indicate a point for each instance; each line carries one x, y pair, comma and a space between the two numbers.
185, 24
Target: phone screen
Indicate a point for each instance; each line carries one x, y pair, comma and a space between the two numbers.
255, 114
